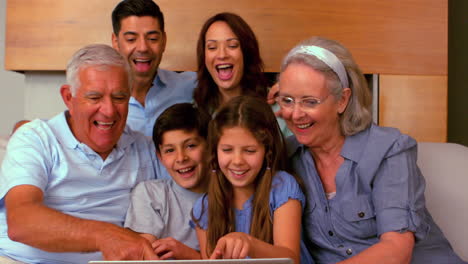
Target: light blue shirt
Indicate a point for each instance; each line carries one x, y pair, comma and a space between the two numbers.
74, 179
163, 208
283, 188
168, 88
379, 189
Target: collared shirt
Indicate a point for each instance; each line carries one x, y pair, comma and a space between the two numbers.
168, 88
379, 189
74, 179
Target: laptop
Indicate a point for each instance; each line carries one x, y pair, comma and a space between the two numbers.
198, 261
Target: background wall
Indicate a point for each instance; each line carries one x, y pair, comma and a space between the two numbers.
11, 86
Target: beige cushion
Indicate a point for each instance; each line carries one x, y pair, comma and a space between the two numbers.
445, 168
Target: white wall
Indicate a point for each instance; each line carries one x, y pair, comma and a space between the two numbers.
12, 86
26, 96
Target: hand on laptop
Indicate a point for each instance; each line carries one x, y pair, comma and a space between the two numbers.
235, 245
170, 248
118, 243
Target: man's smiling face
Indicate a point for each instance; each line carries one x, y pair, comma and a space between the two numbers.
142, 42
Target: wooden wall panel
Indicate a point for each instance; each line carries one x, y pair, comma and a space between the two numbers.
389, 37
417, 105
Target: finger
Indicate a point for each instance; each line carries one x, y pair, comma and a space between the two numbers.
148, 254
228, 248
244, 252
236, 249
217, 254
168, 255
160, 249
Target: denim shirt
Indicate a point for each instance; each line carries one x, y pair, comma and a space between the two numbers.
379, 189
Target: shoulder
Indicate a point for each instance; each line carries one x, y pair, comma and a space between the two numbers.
42, 132
153, 188
376, 143
284, 187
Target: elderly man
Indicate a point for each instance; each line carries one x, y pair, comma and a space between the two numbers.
65, 182
140, 37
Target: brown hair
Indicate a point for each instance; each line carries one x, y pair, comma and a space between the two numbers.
255, 115
253, 82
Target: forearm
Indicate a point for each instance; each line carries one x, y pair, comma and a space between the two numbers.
261, 249
387, 251
47, 229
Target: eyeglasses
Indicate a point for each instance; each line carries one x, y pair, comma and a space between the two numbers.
305, 103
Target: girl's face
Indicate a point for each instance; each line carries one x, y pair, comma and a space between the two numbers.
240, 157
223, 58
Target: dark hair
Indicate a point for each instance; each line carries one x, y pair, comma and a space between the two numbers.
184, 116
137, 8
255, 115
253, 82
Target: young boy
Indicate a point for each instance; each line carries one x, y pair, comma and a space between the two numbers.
161, 209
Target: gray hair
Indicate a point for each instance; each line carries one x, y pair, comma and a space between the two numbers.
358, 113
94, 55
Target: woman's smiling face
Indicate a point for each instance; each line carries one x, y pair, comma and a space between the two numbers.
224, 59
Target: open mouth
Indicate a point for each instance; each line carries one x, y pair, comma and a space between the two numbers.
238, 173
304, 126
103, 125
224, 71
142, 65
186, 171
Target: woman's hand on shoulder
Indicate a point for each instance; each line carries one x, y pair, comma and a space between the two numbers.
235, 245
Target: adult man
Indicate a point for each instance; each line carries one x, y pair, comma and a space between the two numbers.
139, 36
65, 182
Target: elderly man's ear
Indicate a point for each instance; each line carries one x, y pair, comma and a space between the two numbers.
65, 91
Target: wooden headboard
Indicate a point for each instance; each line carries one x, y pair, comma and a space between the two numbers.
387, 37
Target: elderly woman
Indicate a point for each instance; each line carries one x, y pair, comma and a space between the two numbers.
365, 192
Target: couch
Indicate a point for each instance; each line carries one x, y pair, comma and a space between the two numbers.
445, 168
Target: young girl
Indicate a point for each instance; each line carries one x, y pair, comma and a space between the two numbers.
253, 207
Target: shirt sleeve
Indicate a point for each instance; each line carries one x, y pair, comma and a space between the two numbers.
285, 187
200, 213
27, 160
146, 211
398, 193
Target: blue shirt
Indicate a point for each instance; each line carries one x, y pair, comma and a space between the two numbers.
74, 179
168, 88
283, 188
379, 189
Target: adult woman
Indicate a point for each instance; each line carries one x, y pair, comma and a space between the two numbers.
229, 64
365, 192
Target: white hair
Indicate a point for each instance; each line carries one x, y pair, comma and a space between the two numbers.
358, 113
94, 55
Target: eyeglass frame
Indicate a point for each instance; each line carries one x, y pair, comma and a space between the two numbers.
302, 106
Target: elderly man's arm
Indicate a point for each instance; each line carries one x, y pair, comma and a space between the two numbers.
32, 223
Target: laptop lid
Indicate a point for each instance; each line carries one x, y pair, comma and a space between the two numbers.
198, 261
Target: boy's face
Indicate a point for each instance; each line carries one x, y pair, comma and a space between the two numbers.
181, 152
